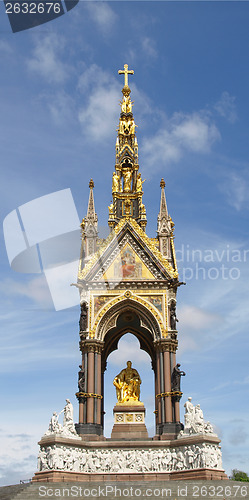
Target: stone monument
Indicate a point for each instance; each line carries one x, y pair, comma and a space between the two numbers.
128, 283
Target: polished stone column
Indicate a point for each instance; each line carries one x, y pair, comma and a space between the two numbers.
158, 388
98, 388
167, 385
90, 388
90, 402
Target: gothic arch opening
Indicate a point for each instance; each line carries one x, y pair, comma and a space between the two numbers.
129, 348
130, 318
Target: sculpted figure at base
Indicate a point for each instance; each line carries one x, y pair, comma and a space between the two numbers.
194, 421
68, 417
67, 429
127, 384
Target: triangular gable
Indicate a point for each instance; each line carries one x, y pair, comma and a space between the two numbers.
128, 265
149, 261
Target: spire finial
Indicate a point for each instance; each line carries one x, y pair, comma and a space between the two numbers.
126, 72
162, 184
91, 184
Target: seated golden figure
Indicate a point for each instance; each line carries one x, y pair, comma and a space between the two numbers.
127, 384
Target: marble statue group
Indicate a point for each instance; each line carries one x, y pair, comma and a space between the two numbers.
68, 428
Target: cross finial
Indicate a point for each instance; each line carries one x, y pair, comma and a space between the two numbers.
126, 72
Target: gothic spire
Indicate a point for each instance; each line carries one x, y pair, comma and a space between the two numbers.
89, 226
127, 185
91, 215
164, 226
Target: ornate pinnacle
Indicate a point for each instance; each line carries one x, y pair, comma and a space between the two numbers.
162, 184
126, 90
91, 184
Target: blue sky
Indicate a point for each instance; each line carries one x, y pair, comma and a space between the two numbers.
59, 113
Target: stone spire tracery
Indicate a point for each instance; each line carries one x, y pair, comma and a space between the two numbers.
127, 184
165, 227
89, 226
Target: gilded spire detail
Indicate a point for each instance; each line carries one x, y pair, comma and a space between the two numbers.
127, 184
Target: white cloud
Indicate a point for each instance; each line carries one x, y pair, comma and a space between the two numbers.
46, 59
239, 434
149, 47
128, 348
99, 117
194, 132
235, 187
195, 318
226, 107
61, 106
196, 327
36, 289
5, 48
102, 14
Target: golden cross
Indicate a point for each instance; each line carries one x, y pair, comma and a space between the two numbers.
126, 72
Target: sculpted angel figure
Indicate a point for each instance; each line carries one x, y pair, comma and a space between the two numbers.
139, 185
127, 384
127, 175
115, 182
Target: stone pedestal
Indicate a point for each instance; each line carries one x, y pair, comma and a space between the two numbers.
71, 459
129, 421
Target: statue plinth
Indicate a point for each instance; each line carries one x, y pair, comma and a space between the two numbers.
129, 421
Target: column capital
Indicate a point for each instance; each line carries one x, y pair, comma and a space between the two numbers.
89, 345
168, 344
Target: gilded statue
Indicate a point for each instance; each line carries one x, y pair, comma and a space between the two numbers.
139, 185
126, 106
127, 175
115, 182
127, 384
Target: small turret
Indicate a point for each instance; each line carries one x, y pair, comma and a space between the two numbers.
89, 226
165, 227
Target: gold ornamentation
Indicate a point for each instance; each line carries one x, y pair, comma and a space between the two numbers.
127, 384
115, 183
139, 184
126, 72
136, 298
169, 394
145, 239
88, 395
138, 417
127, 176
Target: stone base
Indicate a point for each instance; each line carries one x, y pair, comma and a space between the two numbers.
187, 458
89, 431
129, 422
169, 430
191, 475
129, 432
